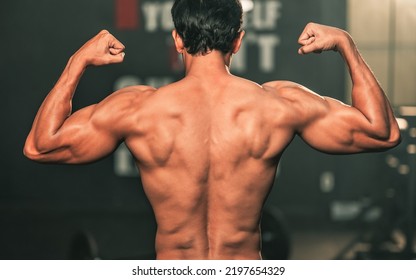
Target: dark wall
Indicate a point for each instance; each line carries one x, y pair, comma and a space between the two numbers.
43, 206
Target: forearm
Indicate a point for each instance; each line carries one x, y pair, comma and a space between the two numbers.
57, 106
367, 95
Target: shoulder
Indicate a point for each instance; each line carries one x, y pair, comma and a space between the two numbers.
287, 89
294, 93
300, 103
126, 96
278, 85
139, 91
118, 106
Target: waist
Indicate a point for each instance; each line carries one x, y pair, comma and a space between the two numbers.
235, 246
193, 254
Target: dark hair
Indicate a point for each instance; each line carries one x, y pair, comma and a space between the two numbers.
206, 25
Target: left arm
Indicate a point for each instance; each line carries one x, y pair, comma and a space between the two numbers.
57, 135
327, 124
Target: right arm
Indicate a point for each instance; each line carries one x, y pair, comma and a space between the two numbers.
331, 126
60, 136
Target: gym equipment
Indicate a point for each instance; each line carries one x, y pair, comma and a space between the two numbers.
276, 243
392, 237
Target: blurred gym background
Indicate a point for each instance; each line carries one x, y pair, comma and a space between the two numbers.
321, 207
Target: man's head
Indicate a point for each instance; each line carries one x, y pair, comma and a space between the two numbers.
207, 25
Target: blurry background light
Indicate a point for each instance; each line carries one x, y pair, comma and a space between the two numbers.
248, 5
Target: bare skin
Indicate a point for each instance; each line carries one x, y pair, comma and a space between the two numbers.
208, 146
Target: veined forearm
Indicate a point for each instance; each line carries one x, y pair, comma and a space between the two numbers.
367, 95
57, 106
361, 75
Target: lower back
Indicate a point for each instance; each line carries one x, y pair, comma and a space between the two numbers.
168, 247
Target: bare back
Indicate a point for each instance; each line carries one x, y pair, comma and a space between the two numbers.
208, 146
207, 157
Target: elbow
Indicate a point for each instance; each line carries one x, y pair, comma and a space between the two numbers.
395, 135
30, 152
380, 139
393, 138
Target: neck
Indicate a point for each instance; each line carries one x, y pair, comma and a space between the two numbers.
213, 63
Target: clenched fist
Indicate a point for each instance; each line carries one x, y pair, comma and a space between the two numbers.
318, 38
102, 49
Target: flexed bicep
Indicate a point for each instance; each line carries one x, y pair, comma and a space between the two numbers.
329, 125
82, 138
337, 128
367, 125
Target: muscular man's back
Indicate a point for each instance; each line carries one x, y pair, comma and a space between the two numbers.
208, 146
208, 157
